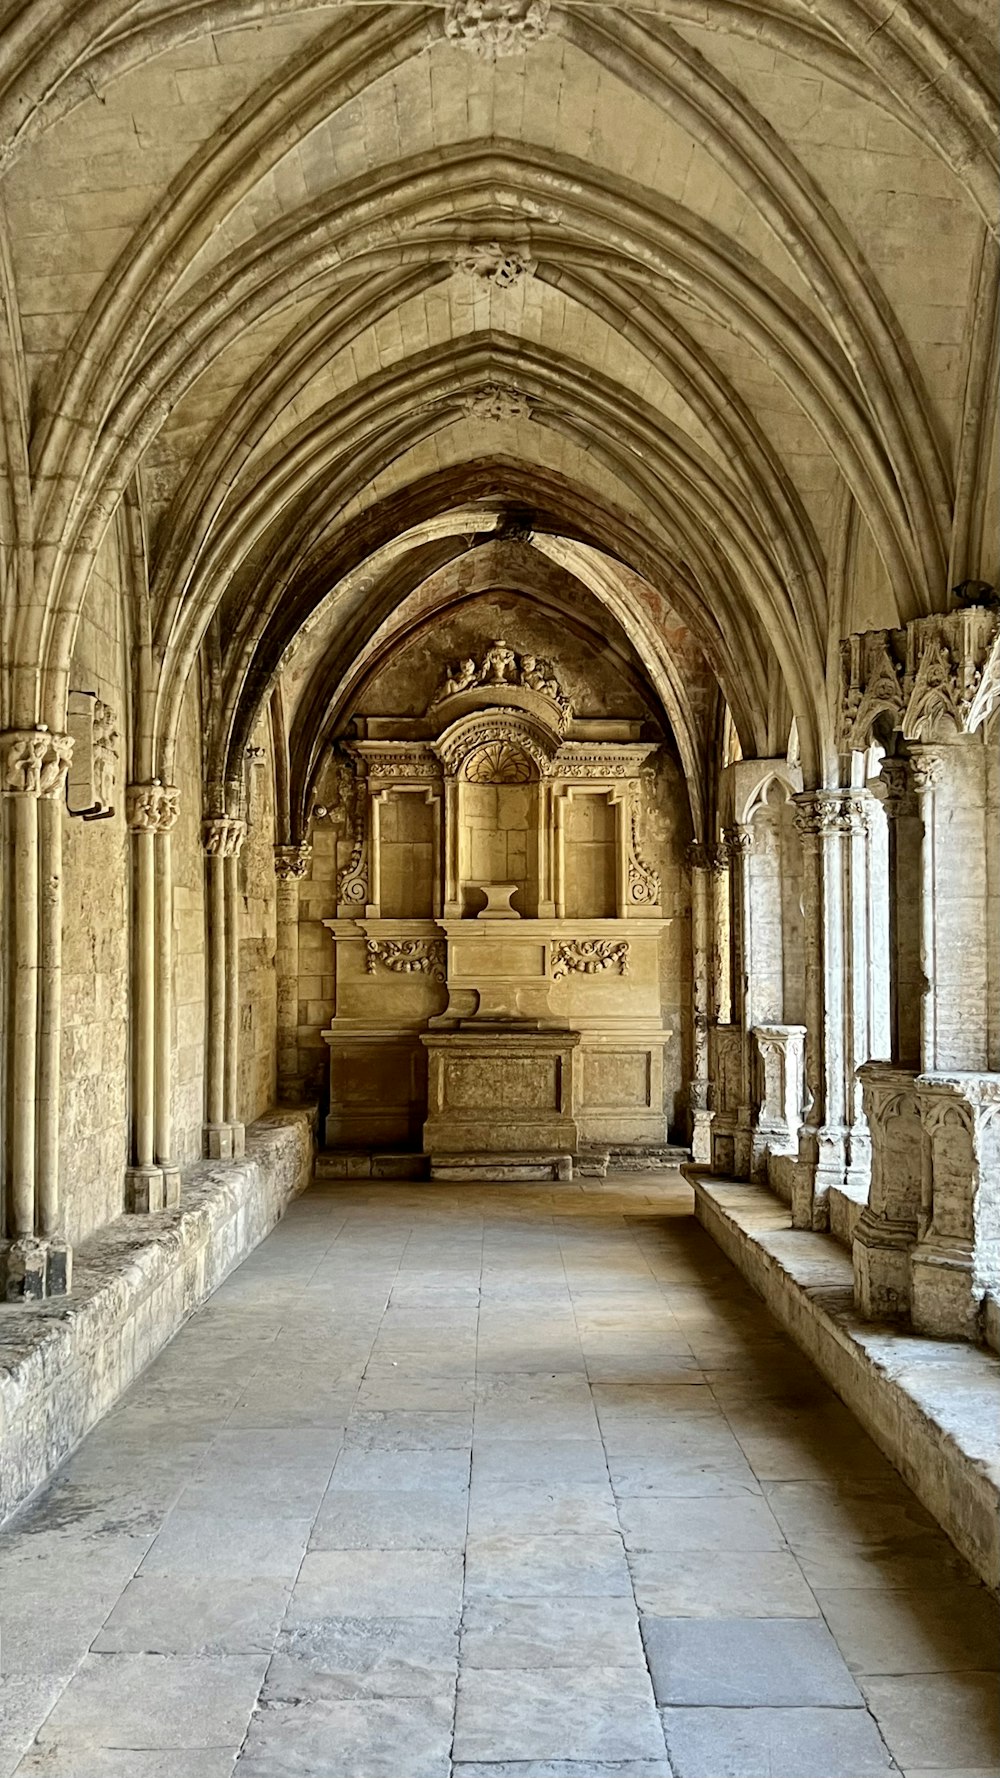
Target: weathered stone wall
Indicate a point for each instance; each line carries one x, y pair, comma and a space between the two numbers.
258, 990
96, 917
189, 939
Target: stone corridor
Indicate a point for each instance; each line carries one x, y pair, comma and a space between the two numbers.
677, 1553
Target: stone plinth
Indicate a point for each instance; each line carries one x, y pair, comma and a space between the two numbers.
500, 1097
887, 1227
780, 1072
956, 1262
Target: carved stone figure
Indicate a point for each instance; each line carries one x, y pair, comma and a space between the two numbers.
496, 27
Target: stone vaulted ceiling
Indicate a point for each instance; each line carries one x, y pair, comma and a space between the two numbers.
695, 302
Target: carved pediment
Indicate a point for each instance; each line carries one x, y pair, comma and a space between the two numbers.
503, 679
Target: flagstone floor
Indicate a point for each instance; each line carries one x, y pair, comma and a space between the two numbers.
495, 1482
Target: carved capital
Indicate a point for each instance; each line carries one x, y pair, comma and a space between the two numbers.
825, 812
291, 863
718, 858
738, 842
152, 807
34, 762
222, 836
894, 788
495, 262
927, 769
697, 856
496, 27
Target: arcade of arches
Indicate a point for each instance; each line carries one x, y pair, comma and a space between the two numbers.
499, 546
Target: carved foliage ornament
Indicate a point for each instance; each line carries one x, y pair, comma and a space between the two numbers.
291, 863
35, 762
589, 956
492, 262
496, 27
407, 956
643, 881
830, 811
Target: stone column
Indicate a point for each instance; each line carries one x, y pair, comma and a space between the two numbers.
290, 866
739, 845
222, 839
701, 1116
721, 961
830, 823
163, 983
150, 808
34, 765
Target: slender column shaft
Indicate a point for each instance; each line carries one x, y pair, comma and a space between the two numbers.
50, 820
24, 1013
232, 1020
164, 979
145, 1001
216, 1047
722, 968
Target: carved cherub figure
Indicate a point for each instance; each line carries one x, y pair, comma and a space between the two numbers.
532, 675
499, 665
460, 677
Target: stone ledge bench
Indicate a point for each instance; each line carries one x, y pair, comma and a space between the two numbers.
932, 1406
66, 1361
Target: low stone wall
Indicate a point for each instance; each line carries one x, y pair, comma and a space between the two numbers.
65, 1362
932, 1406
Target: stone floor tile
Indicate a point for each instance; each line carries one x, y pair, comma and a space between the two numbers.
410, 1519
562, 1768
117, 1762
557, 1566
194, 1617
517, 1462
934, 1630
402, 1429
209, 1543
348, 1657
551, 1632
937, 1718
712, 1743
683, 1476
718, 1584
596, 1713
718, 1523
378, 1583
373, 1471
369, 1738
25, 1702
540, 1509
388, 1387
746, 1661
156, 1701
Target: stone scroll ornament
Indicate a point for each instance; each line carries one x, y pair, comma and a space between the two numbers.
352, 884
496, 27
589, 956
406, 956
643, 881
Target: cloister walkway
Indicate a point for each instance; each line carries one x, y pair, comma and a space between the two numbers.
486, 1481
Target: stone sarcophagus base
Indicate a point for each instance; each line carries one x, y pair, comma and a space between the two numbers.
500, 1102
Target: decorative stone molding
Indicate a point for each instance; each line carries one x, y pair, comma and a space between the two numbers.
494, 401
414, 762
152, 807
644, 886
937, 678
495, 732
34, 762
291, 863
407, 956
589, 956
819, 812
492, 262
222, 836
496, 27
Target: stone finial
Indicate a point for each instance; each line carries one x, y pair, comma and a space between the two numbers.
492, 262
291, 863
152, 807
34, 762
222, 836
494, 401
496, 27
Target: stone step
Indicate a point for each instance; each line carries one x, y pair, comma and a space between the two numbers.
597, 1163
363, 1163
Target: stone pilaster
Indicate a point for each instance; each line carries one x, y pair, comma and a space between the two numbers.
956, 1261
291, 864
777, 1109
33, 765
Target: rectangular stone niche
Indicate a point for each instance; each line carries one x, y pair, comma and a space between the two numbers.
64, 1363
